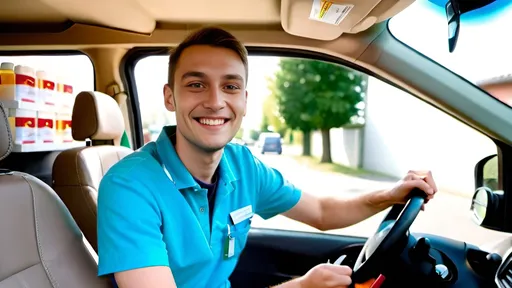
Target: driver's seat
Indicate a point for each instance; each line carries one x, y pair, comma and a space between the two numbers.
40, 243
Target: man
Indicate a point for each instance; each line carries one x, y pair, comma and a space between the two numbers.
177, 212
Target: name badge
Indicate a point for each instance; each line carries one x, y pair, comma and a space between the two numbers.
241, 214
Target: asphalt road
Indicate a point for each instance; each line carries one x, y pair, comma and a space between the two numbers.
447, 215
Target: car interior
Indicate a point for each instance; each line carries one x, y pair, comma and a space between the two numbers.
50, 239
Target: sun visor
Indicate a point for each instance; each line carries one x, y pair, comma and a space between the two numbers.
327, 20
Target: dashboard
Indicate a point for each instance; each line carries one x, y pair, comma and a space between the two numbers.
444, 262
503, 277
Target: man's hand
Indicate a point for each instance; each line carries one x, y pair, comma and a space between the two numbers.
422, 180
322, 276
327, 275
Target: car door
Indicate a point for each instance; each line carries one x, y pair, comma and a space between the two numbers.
273, 256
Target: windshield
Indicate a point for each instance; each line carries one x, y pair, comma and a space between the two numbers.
483, 54
272, 140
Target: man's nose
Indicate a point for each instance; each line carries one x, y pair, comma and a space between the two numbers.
215, 100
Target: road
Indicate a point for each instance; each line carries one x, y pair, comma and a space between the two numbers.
447, 215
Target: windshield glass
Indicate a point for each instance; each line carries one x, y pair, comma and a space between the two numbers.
272, 140
483, 54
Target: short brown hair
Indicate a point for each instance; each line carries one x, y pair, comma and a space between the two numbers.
211, 36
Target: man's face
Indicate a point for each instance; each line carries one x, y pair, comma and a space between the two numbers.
209, 96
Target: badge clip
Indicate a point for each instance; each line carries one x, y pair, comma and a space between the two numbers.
229, 245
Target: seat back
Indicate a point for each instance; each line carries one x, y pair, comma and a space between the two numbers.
77, 172
40, 243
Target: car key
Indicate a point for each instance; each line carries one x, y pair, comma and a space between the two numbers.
338, 261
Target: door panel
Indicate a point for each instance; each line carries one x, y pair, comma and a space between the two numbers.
273, 256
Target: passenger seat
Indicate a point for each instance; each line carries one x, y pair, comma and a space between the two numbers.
77, 172
40, 243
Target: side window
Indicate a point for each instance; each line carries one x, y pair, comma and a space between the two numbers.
150, 78
342, 133
38, 92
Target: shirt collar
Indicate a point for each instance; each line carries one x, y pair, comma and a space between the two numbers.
179, 173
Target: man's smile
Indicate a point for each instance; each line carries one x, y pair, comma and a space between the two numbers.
211, 121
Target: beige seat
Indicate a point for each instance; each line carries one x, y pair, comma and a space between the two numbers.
77, 172
40, 243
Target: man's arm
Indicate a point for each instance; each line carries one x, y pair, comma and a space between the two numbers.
333, 213
130, 244
157, 277
328, 213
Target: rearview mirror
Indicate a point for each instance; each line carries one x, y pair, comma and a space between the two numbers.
454, 9
453, 17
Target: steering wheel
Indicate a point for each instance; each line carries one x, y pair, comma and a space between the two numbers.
394, 226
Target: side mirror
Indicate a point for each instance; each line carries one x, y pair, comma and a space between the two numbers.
487, 205
486, 173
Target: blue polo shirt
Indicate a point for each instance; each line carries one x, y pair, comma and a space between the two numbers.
148, 217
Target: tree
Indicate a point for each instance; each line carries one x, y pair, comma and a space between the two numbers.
313, 95
271, 116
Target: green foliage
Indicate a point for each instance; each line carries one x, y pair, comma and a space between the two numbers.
254, 135
240, 133
264, 124
272, 118
313, 94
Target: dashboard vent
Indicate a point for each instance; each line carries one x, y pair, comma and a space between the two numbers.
504, 275
505, 278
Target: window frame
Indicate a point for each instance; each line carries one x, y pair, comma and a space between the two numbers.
134, 55
127, 71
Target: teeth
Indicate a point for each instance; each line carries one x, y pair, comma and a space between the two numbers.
211, 122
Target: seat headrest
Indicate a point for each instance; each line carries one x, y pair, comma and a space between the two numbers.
6, 142
96, 116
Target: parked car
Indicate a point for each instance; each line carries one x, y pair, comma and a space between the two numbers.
270, 142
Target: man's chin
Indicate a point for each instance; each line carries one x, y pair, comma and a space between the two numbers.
212, 147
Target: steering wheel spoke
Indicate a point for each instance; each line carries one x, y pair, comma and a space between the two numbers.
394, 227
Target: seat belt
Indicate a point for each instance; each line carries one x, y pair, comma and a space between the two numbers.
115, 92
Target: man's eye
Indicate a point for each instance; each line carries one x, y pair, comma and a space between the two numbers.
195, 85
232, 87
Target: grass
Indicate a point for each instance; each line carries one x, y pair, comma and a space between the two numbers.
314, 163
491, 168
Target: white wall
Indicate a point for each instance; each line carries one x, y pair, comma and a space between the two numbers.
403, 133
345, 146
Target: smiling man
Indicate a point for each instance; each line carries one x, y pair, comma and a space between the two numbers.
178, 211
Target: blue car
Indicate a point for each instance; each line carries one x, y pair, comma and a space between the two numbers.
271, 142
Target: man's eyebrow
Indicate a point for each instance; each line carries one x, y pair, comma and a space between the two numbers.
196, 74
233, 77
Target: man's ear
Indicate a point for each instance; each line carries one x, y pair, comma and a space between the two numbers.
245, 108
169, 100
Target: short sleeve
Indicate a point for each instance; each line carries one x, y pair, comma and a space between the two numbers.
276, 194
129, 226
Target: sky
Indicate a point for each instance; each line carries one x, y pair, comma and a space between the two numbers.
483, 50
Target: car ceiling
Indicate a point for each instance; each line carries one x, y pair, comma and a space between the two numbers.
144, 16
